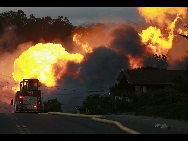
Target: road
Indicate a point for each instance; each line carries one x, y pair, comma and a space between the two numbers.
28, 123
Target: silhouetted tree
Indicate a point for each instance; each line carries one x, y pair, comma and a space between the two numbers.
52, 105
185, 36
160, 61
97, 104
33, 29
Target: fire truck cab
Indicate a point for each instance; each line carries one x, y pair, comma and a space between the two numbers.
28, 99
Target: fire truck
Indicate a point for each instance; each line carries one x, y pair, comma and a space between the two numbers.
28, 99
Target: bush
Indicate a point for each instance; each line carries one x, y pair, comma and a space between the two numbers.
52, 105
163, 96
105, 105
97, 104
170, 111
91, 104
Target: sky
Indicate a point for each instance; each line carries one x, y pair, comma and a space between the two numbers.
80, 15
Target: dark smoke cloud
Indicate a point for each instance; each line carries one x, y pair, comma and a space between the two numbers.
127, 41
102, 67
99, 71
9, 39
180, 65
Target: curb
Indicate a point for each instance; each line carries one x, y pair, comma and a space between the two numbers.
118, 124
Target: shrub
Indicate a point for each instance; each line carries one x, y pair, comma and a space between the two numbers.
52, 105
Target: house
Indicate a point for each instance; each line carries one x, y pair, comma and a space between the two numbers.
146, 79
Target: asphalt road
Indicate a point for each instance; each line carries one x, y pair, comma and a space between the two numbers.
28, 123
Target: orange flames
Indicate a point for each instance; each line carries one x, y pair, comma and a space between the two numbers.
155, 40
158, 38
49, 62
161, 15
135, 62
152, 36
39, 60
85, 46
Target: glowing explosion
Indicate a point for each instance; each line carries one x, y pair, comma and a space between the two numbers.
48, 62
158, 39
38, 62
152, 36
97, 52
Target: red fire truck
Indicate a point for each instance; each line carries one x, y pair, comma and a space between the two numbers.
28, 99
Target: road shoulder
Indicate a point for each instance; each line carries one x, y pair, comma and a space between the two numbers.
179, 126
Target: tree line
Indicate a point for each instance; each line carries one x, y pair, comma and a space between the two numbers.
32, 28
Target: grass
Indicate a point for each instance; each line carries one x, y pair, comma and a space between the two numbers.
170, 111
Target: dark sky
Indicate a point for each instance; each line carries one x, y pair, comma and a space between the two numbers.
78, 15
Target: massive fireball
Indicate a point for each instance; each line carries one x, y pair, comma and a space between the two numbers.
39, 60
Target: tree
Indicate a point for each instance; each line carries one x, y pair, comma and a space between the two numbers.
185, 36
33, 29
147, 68
105, 105
124, 90
52, 105
160, 61
97, 104
91, 103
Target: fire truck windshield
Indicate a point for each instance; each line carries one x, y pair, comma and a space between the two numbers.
30, 85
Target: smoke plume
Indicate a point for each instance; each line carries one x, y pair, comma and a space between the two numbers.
107, 48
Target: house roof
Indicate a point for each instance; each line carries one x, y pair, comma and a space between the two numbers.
142, 77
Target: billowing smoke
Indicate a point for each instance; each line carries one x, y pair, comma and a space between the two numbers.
177, 55
7, 83
100, 68
107, 48
127, 41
